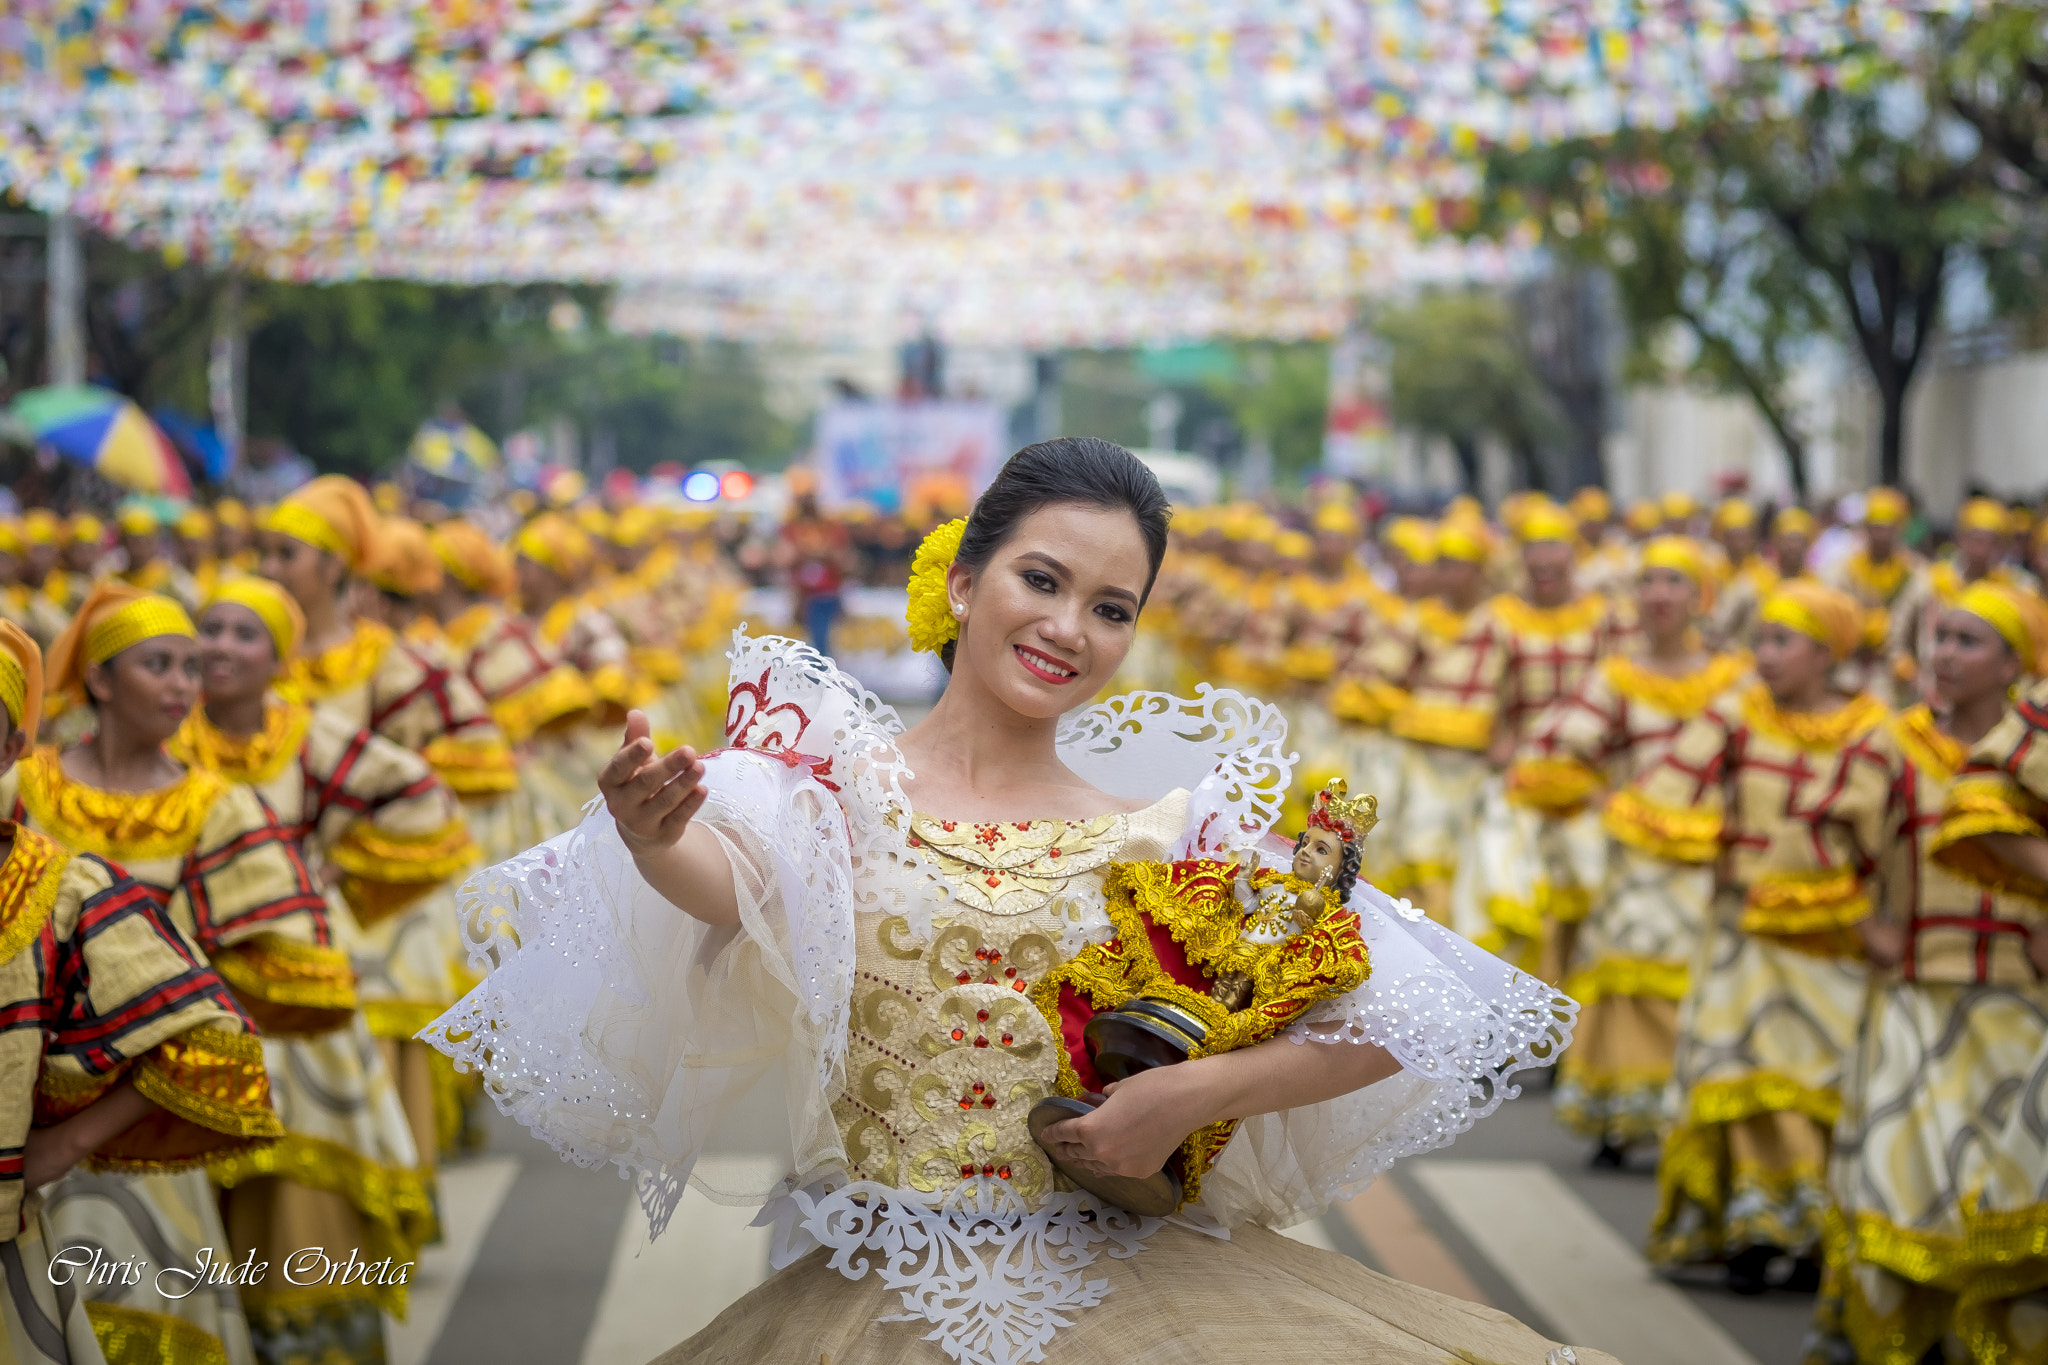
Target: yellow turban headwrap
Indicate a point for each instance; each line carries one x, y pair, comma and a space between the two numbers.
471, 557
333, 514
1818, 611
1643, 517
1337, 519
137, 521
1414, 538
1732, 514
195, 525
1681, 554
1293, 545
39, 526
21, 678
1792, 520
635, 526
1547, 521
1458, 539
10, 538
1982, 514
554, 542
1592, 505
87, 529
1678, 506
407, 565
2016, 614
2019, 522
229, 512
275, 607
114, 616
1885, 507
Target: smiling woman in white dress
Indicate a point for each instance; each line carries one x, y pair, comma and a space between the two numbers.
872, 906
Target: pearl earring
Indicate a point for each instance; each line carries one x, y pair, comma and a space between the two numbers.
959, 610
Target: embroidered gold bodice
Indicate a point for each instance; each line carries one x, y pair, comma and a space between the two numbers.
947, 1053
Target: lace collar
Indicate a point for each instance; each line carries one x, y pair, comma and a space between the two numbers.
352, 662
164, 823
254, 759
1816, 732
1683, 695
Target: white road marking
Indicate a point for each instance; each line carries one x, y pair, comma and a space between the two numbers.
1561, 1257
666, 1291
471, 1192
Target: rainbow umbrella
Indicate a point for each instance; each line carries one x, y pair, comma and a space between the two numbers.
105, 432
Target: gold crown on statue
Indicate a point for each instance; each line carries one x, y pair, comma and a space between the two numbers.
1347, 817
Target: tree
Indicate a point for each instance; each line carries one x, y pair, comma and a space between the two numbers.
1792, 206
1672, 229
1460, 371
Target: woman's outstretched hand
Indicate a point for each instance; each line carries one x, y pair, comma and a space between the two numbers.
651, 797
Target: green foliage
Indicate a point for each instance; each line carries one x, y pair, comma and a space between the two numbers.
1279, 393
1459, 371
1786, 212
657, 399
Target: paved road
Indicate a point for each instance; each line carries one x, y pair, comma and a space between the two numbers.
546, 1263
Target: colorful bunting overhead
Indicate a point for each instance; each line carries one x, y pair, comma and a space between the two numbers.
1034, 171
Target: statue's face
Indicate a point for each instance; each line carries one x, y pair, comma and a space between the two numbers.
1321, 854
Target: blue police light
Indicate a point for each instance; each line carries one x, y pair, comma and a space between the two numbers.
701, 486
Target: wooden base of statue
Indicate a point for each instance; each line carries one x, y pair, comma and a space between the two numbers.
1137, 1036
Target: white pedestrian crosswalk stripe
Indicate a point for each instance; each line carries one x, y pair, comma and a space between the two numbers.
1590, 1283
471, 1192
663, 1292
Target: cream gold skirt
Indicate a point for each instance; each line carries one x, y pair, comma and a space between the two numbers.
1186, 1297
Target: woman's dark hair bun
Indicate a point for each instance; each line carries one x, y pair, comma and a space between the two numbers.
1070, 469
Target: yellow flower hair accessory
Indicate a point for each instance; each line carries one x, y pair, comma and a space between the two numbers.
930, 616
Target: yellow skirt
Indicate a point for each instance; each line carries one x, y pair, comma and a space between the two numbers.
1941, 1156
1764, 1041
1186, 1297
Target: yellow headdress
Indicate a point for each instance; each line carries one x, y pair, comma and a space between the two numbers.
1981, 514
275, 607
1414, 538
87, 529
473, 559
1547, 521
114, 616
1293, 545
930, 614
1678, 505
39, 526
1885, 507
407, 564
1643, 517
10, 538
1794, 520
2016, 614
21, 678
1818, 611
1591, 505
1733, 514
136, 520
554, 542
230, 512
1460, 540
1680, 554
333, 514
195, 524
1337, 519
